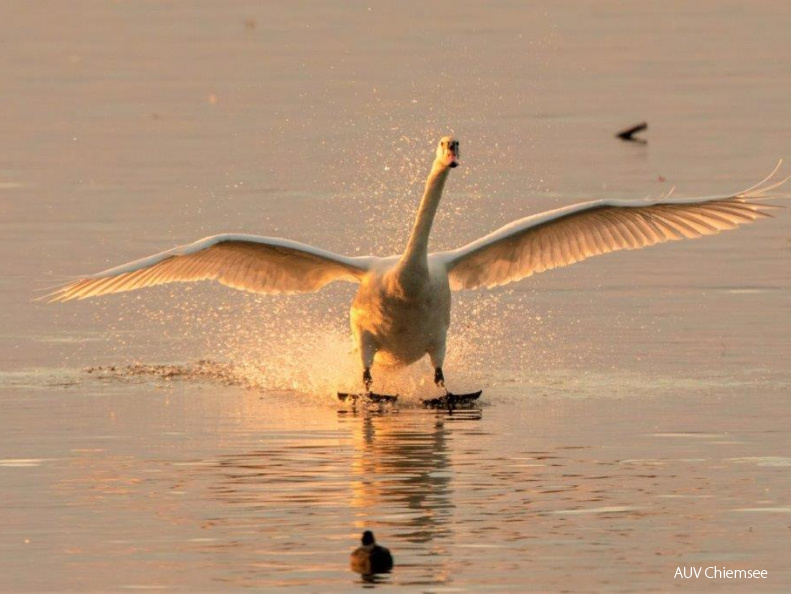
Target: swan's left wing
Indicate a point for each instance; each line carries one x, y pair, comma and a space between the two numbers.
574, 233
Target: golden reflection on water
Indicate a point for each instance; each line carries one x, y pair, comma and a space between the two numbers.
406, 467
388, 470
225, 487
401, 481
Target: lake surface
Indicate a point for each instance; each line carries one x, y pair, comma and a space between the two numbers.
635, 416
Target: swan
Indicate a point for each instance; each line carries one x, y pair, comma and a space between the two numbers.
371, 558
401, 311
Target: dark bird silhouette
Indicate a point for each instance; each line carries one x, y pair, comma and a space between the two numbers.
629, 133
371, 558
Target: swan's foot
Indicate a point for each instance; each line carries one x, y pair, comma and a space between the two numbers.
448, 400
368, 395
452, 401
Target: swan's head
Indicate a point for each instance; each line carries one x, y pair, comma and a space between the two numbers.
448, 152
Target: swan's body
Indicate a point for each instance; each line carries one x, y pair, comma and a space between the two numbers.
398, 316
402, 309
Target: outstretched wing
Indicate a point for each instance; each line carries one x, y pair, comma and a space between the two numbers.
245, 262
574, 233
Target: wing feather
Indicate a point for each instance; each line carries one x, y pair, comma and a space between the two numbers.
575, 233
244, 262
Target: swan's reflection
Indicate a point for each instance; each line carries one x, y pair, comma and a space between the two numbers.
402, 476
299, 495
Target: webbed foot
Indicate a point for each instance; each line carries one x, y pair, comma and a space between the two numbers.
451, 401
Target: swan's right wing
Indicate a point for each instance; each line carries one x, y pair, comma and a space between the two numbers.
575, 233
245, 262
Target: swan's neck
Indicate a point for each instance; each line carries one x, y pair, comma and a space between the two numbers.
416, 253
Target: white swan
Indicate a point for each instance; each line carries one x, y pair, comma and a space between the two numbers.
402, 309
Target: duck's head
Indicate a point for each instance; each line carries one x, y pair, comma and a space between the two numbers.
368, 538
448, 151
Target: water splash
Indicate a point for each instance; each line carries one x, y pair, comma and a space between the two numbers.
303, 344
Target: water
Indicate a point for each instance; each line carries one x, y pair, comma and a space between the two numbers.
635, 414
194, 486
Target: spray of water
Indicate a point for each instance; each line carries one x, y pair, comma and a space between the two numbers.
302, 344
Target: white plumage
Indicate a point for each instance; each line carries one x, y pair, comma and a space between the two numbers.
245, 262
574, 233
402, 309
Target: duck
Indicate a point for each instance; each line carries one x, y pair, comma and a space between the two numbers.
401, 311
371, 558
